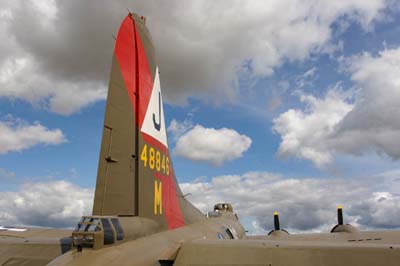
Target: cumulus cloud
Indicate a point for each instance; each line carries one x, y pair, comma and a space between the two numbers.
307, 204
17, 135
60, 59
52, 204
19, 79
210, 145
338, 124
305, 133
373, 123
177, 129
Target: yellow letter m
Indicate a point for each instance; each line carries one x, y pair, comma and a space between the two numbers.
157, 197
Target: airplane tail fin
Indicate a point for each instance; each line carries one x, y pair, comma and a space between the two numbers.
135, 174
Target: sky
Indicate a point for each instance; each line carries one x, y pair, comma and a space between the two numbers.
278, 105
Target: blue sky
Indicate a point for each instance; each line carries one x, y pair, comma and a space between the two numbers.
308, 73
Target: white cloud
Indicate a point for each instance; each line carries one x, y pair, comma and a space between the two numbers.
66, 67
307, 204
306, 134
373, 123
210, 145
46, 8
52, 204
304, 204
337, 124
19, 79
17, 135
177, 129
213, 48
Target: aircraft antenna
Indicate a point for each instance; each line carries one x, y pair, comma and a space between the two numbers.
340, 214
276, 221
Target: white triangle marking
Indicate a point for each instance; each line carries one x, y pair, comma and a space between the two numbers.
154, 122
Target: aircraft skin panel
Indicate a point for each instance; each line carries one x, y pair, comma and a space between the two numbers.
32, 246
149, 250
125, 52
378, 237
115, 186
145, 68
173, 213
198, 244
307, 253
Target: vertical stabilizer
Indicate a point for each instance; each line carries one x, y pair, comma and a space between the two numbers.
116, 181
135, 175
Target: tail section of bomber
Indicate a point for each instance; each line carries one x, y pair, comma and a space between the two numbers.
135, 174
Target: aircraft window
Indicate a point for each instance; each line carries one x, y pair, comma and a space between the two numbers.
81, 228
213, 214
118, 228
77, 227
228, 231
94, 227
88, 225
108, 232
